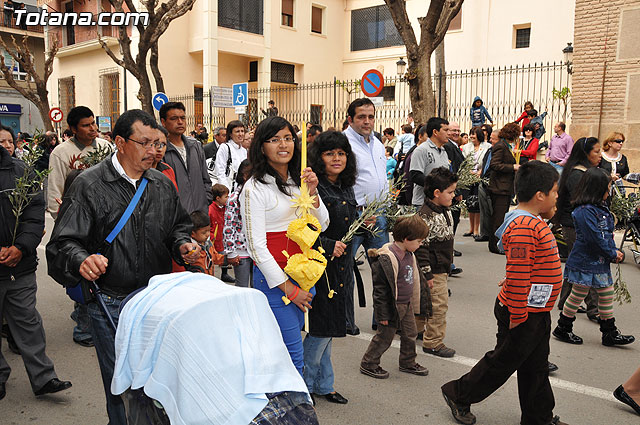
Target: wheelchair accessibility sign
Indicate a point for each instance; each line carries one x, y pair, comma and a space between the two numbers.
240, 94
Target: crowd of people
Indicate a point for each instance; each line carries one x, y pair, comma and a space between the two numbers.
225, 199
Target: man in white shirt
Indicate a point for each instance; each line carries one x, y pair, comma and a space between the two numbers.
371, 181
230, 155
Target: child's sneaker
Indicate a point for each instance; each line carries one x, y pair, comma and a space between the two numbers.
416, 369
462, 414
378, 372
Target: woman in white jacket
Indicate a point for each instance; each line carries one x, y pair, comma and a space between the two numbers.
266, 203
477, 148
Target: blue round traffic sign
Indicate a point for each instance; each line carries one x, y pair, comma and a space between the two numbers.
372, 83
159, 99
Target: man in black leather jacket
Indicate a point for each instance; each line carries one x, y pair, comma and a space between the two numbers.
18, 264
157, 232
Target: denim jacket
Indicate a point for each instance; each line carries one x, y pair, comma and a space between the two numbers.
594, 247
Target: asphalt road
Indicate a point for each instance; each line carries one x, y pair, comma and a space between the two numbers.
582, 387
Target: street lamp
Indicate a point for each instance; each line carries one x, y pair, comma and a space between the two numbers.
401, 67
568, 57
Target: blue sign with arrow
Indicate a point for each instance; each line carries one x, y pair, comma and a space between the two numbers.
240, 94
159, 99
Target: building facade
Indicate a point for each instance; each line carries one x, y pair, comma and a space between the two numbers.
16, 112
606, 67
282, 46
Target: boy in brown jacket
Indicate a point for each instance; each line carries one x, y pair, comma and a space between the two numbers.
396, 298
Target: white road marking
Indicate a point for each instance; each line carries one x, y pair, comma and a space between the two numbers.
555, 382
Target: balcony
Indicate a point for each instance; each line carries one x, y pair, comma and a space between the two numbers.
76, 39
9, 21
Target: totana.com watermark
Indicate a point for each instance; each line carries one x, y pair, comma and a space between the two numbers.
44, 18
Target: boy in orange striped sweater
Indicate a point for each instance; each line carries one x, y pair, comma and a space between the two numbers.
522, 309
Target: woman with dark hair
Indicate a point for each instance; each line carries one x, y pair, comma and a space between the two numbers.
266, 205
525, 115
528, 145
585, 154
7, 139
588, 266
335, 165
228, 158
487, 129
47, 142
503, 170
158, 163
235, 243
477, 148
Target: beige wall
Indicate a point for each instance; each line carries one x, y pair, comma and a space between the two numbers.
596, 45
485, 40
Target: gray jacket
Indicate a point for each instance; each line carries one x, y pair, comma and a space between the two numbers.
194, 184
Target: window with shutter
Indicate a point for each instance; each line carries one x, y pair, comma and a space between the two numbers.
316, 19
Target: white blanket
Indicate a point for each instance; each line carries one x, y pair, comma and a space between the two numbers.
206, 350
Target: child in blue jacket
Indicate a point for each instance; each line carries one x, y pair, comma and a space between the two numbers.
588, 265
479, 113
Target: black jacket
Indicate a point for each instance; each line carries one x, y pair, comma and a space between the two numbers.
327, 317
194, 184
455, 155
145, 246
30, 225
210, 150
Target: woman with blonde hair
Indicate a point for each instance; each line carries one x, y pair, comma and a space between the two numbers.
613, 161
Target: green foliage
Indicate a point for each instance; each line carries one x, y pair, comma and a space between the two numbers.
622, 207
620, 289
28, 185
562, 94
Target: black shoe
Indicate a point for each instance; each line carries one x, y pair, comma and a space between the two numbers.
556, 421
3, 390
84, 342
462, 414
619, 394
611, 335
374, 327
552, 367
53, 386
354, 331
481, 238
457, 253
226, 278
455, 271
378, 372
336, 397
581, 309
564, 330
466, 235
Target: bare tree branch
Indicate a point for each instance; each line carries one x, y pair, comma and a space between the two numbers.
21, 55
160, 17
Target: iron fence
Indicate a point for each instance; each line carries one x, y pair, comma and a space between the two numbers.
504, 91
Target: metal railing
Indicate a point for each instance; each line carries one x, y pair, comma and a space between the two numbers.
7, 20
504, 91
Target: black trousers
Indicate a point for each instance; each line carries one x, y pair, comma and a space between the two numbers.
525, 349
500, 204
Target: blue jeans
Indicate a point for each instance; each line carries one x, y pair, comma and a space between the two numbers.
318, 371
558, 167
82, 330
242, 272
104, 340
289, 317
369, 242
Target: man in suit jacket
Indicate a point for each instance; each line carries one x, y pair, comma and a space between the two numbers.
456, 159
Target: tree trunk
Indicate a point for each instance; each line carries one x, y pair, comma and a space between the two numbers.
441, 72
155, 70
423, 102
145, 94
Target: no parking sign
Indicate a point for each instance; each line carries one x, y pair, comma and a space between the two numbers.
372, 83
